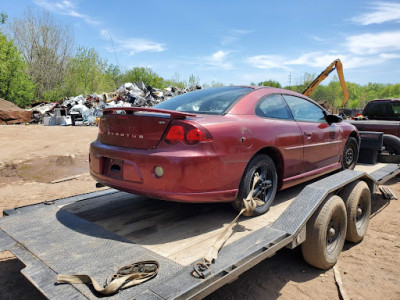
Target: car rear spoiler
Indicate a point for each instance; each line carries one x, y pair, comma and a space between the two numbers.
131, 110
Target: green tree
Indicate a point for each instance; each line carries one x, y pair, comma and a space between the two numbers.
271, 83
359, 95
146, 75
45, 45
87, 72
3, 17
213, 83
15, 85
193, 81
175, 81
114, 74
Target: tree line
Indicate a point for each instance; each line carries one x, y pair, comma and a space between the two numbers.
332, 92
38, 62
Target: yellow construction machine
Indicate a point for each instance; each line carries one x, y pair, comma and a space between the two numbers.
336, 64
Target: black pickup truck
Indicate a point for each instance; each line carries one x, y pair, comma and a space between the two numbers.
382, 115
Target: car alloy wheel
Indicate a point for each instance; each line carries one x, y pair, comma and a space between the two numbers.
266, 187
350, 154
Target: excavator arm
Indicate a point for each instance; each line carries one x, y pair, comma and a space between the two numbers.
336, 64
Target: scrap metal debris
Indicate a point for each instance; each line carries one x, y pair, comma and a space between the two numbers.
85, 110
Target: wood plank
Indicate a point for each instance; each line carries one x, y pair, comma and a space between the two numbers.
180, 231
369, 168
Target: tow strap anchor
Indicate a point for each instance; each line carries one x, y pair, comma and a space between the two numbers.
202, 268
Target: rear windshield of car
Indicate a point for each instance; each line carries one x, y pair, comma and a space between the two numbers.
208, 101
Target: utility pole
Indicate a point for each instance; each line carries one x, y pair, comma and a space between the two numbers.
290, 79
115, 53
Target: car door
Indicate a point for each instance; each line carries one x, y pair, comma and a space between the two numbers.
277, 127
321, 140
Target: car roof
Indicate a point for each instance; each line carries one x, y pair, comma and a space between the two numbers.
239, 107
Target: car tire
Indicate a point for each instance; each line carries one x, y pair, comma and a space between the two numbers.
265, 189
325, 235
391, 144
350, 154
357, 198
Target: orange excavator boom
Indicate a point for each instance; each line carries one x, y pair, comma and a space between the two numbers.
336, 64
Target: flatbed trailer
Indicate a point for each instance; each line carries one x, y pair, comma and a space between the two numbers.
99, 232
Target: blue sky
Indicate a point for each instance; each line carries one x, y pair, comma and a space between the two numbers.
236, 41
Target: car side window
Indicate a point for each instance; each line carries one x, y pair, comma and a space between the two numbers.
273, 106
396, 108
303, 110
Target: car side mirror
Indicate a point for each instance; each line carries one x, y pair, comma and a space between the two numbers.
332, 118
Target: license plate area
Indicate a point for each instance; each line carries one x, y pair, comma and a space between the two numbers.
122, 169
114, 168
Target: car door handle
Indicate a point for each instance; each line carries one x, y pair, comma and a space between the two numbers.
308, 134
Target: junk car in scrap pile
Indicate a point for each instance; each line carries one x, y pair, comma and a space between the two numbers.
207, 145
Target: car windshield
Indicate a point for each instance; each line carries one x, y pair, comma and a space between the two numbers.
208, 101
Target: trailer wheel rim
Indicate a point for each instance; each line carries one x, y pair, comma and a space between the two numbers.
361, 216
263, 189
333, 234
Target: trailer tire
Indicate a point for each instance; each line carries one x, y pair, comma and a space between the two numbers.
350, 154
357, 198
326, 232
264, 165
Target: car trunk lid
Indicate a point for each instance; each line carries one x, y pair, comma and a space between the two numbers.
136, 127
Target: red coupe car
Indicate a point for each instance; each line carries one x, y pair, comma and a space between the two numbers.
206, 146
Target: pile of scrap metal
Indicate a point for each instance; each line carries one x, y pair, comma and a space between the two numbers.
87, 110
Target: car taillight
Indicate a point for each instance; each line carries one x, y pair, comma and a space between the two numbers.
187, 134
194, 136
175, 134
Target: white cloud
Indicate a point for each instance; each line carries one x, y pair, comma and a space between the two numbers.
389, 56
314, 59
267, 61
133, 45
226, 40
218, 59
318, 39
65, 7
319, 60
241, 31
372, 43
322, 60
382, 12
234, 35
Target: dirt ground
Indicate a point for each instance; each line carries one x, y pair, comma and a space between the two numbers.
33, 156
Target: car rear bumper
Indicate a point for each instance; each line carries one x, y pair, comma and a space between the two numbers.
196, 175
